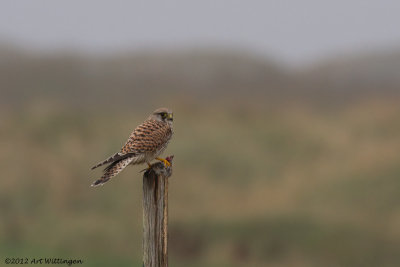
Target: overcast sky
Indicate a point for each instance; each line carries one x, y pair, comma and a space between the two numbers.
297, 31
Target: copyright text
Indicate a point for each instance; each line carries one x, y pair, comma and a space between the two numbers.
39, 261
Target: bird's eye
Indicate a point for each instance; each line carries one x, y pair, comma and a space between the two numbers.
164, 115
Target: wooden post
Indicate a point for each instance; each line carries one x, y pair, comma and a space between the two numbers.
155, 214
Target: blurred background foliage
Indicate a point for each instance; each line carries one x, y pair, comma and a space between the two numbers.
275, 164
278, 167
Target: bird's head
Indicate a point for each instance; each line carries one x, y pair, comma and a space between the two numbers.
163, 114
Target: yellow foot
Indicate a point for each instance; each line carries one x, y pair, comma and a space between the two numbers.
166, 163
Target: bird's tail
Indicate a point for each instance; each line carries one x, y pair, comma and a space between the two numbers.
116, 157
113, 169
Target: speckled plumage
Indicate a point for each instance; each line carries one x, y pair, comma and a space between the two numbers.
145, 143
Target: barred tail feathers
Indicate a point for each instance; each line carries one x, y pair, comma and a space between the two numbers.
115, 168
113, 158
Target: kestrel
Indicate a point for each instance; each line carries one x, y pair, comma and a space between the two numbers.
145, 144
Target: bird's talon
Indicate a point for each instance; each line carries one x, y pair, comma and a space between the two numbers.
166, 162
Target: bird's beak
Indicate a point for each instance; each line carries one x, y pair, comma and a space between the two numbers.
171, 116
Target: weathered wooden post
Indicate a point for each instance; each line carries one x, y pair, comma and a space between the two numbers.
155, 214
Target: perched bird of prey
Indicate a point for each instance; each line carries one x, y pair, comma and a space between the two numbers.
144, 144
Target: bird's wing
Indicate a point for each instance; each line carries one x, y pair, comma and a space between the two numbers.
147, 137
112, 170
113, 158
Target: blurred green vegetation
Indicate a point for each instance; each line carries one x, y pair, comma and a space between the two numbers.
272, 166
283, 185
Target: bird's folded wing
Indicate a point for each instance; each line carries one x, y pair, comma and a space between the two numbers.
147, 137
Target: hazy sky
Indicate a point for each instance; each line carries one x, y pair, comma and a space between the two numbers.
294, 31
